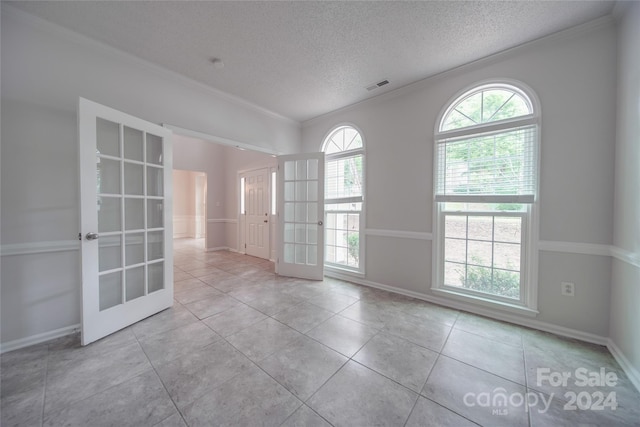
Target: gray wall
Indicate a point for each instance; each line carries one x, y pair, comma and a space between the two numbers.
574, 75
44, 71
202, 156
625, 291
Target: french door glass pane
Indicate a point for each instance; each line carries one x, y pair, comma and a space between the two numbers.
109, 214
133, 179
133, 144
108, 137
108, 176
134, 214
154, 214
134, 248
155, 185
110, 290
109, 252
156, 276
135, 282
154, 149
156, 245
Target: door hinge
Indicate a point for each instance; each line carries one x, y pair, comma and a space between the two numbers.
245, 246
80, 236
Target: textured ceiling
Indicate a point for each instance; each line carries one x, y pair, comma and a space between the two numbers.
306, 58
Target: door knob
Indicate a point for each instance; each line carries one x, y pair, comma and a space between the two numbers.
320, 223
92, 236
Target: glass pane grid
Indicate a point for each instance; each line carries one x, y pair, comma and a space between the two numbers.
342, 238
131, 197
482, 264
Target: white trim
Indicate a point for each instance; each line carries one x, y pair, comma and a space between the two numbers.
625, 256
489, 303
222, 220
574, 248
44, 25
218, 139
625, 364
401, 234
39, 247
220, 248
38, 338
522, 321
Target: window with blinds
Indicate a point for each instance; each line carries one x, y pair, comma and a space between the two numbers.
485, 188
498, 165
344, 190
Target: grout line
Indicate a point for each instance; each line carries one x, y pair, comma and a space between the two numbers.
44, 389
160, 379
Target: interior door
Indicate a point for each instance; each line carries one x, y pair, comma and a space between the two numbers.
301, 213
256, 196
126, 219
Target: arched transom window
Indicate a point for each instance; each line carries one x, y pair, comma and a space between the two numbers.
485, 191
344, 197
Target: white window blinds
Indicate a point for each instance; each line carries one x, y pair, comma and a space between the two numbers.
490, 167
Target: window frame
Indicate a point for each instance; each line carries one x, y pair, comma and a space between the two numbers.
527, 304
342, 268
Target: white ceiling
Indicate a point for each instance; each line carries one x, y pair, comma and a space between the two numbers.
303, 59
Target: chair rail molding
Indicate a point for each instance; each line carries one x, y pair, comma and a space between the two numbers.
30, 248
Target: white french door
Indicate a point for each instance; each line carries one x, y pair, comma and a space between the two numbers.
125, 217
301, 215
256, 202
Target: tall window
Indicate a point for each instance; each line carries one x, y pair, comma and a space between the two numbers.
486, 161
344, 190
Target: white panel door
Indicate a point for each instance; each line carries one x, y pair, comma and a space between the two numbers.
301, 212
125, 218
256, 199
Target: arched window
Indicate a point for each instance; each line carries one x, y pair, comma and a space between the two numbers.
485, 193
344, 197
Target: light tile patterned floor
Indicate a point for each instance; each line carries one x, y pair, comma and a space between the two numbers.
242, 346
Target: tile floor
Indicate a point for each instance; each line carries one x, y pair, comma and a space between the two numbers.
242, 346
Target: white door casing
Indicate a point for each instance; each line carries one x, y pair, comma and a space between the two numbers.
301, 216
125, 217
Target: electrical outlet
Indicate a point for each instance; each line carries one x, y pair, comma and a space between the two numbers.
568, 289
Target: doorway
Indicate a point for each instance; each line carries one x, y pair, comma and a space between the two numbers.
189, 205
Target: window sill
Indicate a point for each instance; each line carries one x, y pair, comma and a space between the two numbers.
487, 302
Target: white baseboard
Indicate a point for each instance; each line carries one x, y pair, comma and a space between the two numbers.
219, 248
627, 367
522, 321
38, 338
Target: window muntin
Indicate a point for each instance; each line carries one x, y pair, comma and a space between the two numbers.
486, 104
343, 139
485, 190
344, 190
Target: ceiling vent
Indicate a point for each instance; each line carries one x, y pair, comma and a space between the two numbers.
377, 85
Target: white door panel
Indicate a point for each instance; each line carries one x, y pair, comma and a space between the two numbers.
125, 218
256, 196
